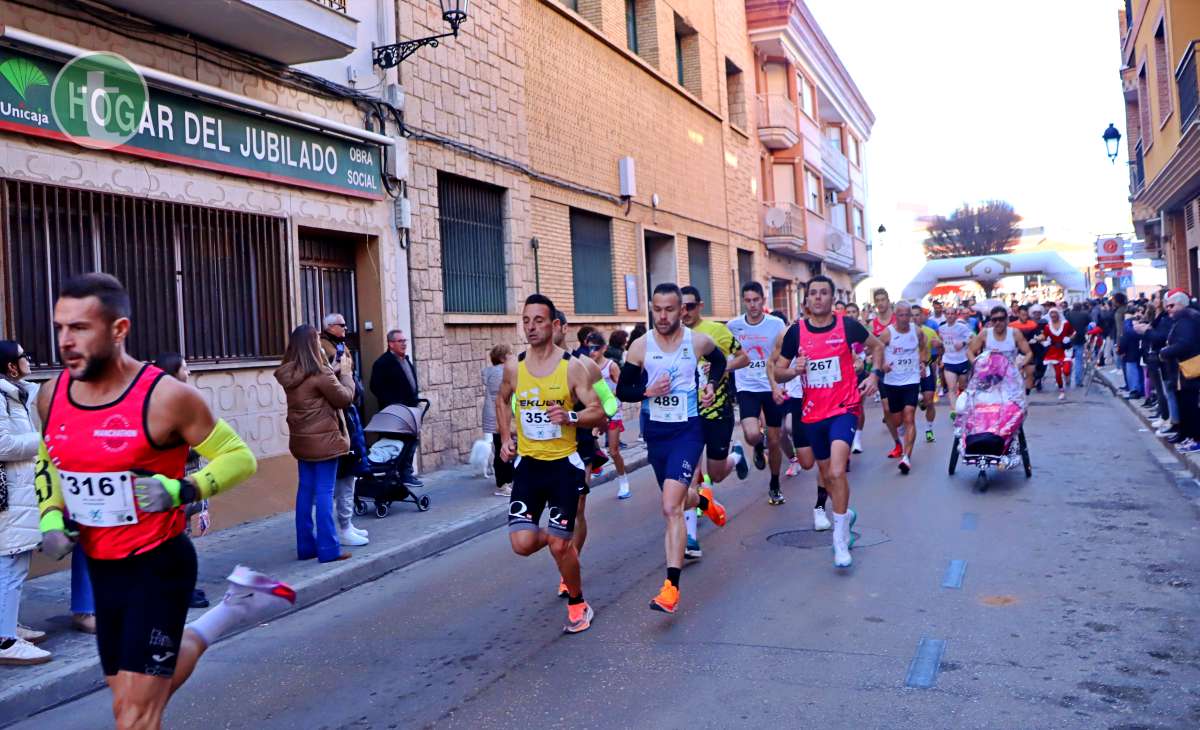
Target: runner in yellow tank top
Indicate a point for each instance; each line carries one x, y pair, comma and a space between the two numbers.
548, 474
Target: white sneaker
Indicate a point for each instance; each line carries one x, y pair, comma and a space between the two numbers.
358, 530
623, 492
821, 522
905, 465
1164, 430
505, 491
857, 447
351, 539
793, 469
250, 598
33, 636
1062, 395
23, 653
841, 553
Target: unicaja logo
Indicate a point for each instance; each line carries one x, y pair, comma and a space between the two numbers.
99, 100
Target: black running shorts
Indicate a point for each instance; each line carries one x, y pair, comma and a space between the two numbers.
718, 432
900, 397
751, 403
540, 484
141, 607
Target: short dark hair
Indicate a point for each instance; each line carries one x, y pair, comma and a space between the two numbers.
1023, 308
1120, 298
594, 338
618, 339
689, 289
668, 288
9, 354
169, 363
998, 310
819, 279
753, 286
560, 316
114, 300
542, 299
584, 331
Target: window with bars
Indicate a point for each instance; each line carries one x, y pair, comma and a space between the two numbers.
208, 283
591, 262
471, 220
700, 271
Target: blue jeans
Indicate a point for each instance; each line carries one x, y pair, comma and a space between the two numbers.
81, 583
13, 569
1078, 369
316, 490
1133, 377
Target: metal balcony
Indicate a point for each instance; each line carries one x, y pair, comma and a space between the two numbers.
839, 249
783, 228
835, 168
1137, 172
778, 125
288, 32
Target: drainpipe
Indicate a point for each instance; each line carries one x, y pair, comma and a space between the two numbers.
537, 275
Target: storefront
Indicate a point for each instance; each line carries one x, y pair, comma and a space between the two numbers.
231, 211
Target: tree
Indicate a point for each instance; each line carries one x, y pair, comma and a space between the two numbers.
989, 228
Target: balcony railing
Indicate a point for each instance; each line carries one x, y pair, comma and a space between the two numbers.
783, 228
839, 248
1189, 91
834, 166
1137, 171
338, 5
778, 124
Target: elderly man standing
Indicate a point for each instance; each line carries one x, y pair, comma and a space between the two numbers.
1183, 343
335, 347
393, 376
394, 381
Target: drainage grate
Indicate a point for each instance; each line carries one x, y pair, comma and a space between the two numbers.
807, 539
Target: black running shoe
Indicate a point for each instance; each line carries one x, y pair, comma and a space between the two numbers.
775, 497
199, 600
760, 455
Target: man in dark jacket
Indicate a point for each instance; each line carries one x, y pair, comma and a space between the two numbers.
1079, 319
1183, 342
393, 376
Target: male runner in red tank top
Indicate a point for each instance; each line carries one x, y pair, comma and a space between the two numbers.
821, 347
114, 443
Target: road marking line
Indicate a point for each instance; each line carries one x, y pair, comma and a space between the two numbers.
923, 669
970, 520
954, 574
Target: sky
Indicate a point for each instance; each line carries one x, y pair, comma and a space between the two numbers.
975, 100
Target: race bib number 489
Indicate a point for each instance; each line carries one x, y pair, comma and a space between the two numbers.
670, 408
99, 499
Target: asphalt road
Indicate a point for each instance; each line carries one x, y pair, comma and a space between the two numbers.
1077, 609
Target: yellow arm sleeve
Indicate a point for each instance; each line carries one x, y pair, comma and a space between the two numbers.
230, 461
49, 492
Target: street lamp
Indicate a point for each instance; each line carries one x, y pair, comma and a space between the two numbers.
454, 12
1112, 140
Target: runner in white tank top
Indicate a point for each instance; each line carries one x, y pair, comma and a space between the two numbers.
998, 336
904, 350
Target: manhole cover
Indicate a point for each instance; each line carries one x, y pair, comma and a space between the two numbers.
805, 539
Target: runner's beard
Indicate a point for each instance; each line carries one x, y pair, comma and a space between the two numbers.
672, 328
95, 365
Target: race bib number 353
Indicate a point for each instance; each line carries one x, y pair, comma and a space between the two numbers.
536, 426
99, 499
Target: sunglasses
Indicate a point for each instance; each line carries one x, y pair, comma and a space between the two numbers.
999, 319
689, 306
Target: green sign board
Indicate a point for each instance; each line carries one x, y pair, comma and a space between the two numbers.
100, 101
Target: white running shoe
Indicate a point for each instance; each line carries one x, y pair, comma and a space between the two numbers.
793, 469
351, 539
21, 653
505, 491
905, 464
857, 447
250, 598
623, 492
1062, 395
358, 530
841, 553
33, 636
821, 522
1164, 430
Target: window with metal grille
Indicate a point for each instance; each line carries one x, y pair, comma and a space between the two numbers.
591, 262
1189, 217
700, 271
631, 25
472, 228
210, 284
745, 267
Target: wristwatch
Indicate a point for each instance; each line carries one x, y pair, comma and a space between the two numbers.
573, 416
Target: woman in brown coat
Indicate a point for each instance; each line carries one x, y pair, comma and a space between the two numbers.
316, 395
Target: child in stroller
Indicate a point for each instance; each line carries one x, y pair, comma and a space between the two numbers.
989, 430
388, 474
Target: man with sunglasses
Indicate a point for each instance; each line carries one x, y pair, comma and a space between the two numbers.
757, 332
716, 419
1000, 337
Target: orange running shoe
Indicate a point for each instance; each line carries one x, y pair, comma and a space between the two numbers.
667, 598
562, 589
579, 618
897, 452
715, 511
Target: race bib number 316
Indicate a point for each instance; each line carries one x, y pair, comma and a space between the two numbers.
99, 499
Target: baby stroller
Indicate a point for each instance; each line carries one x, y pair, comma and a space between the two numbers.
389, 464
989, 430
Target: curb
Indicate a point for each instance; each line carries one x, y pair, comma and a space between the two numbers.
76, 677
1189, 463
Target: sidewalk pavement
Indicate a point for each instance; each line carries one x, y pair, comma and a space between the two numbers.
1112, 377
463, 506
